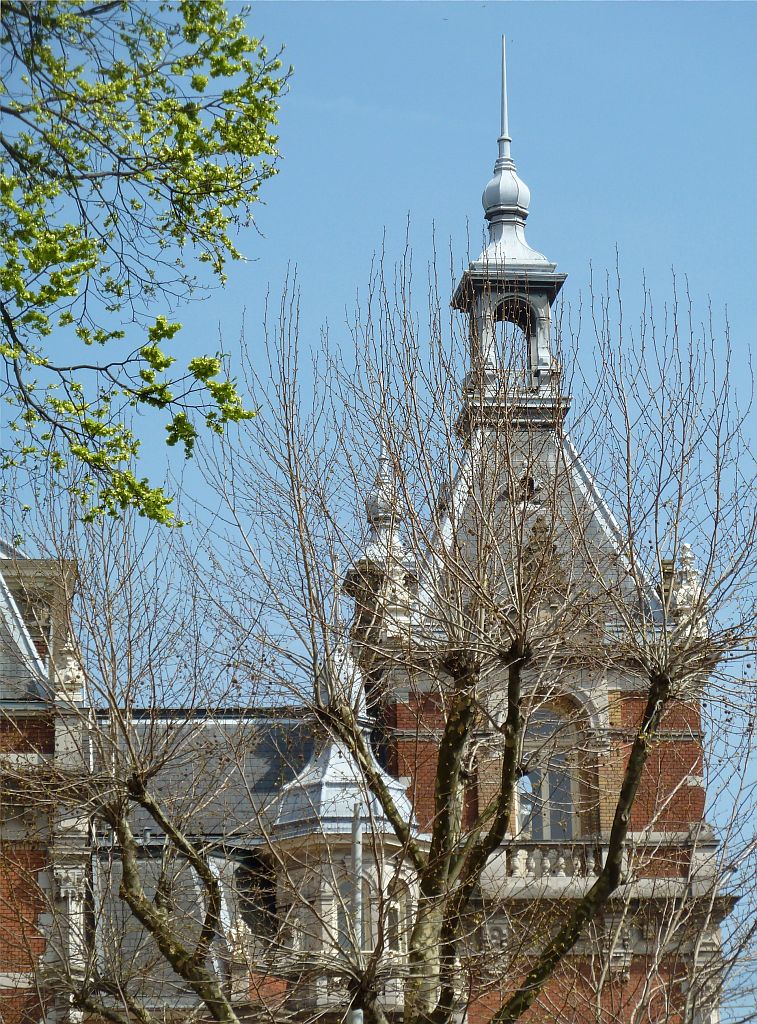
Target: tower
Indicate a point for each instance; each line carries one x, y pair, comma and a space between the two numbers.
517, 666
532, 632
509, 283
342, 898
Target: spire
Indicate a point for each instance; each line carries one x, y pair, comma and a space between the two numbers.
506, 199
381, 512
514, 283
379, 505
504, 134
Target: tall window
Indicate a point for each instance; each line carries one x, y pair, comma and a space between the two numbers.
395, 911
383, 916
546, 797
256, 891
345, 936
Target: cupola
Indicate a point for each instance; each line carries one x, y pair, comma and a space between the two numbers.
320, 800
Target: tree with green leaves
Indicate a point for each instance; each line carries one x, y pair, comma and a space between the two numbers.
135, 138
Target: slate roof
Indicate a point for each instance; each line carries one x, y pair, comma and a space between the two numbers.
215, 772
22, 673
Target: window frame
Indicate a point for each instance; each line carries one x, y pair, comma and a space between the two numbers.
540, 752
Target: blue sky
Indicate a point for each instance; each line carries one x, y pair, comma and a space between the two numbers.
633, 125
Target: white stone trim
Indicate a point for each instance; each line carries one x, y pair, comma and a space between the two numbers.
16, 979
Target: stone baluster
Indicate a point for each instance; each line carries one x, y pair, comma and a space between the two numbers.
589, 861
520, 863
532, 864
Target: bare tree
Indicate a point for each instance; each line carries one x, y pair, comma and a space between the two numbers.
521, 675
124, 791
545, 624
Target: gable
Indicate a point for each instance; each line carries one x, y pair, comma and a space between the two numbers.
522, 526
22, 671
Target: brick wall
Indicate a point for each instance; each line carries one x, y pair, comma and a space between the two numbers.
21, 862
415, 728
21, 903
571, 996
20, 1006
670, 797
32, 734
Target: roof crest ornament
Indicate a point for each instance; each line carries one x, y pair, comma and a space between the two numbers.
383, 542
379, 505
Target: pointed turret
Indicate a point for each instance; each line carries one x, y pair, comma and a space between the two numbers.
377, 580
381, 511
320, 800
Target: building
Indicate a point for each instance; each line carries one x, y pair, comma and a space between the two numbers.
477, 738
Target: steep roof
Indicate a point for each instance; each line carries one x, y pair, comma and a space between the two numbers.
22, 671
587, 535
214, 772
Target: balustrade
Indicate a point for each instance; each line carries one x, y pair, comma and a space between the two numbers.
529, 860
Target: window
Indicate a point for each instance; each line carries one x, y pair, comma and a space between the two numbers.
256, 887
546, 799
395, 912
382, 917
344, 925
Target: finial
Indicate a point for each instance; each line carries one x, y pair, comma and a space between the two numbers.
505, 192
687, 597
504, 135
380, 501
687, 557
383, 540
384, 462
506, 199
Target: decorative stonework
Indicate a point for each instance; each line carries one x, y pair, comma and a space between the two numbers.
69, 677
70, 883
238, 941
686, 600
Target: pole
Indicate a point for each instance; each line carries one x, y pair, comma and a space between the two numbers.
356, 1016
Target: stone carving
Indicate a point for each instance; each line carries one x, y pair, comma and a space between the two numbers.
238, 940
686, 594
68, 674
70, 883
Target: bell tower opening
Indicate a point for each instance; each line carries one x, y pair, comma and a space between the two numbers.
515, 341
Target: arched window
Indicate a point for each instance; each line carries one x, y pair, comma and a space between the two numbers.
346, 938
515, 332
546, 791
